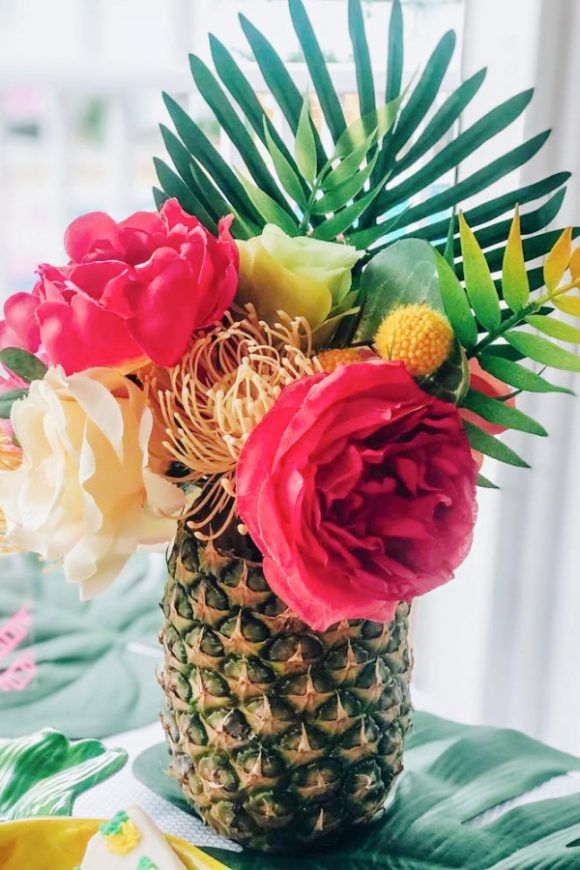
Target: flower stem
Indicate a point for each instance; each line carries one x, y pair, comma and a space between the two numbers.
307, 214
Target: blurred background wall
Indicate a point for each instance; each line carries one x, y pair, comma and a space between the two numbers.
80, 104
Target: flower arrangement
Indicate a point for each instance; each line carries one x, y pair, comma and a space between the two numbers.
306, 400
348, 463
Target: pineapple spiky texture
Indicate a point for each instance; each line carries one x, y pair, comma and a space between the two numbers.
279, 735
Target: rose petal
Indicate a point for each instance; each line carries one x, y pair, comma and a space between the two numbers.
82, 335
92, 233
20, 326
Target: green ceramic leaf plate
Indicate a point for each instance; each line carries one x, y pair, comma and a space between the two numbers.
43, 774
91, 664
453, 775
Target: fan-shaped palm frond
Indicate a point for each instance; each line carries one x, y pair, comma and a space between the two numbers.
383, 178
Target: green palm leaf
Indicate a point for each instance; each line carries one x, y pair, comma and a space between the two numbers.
473, 184
395, 53
394, 206
279, 81
443, 120
362, 58
316, 64
201, 148
453, 775
173, 185
437, 231
228, 119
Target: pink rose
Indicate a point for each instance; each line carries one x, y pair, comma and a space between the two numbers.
359, 489
133, 291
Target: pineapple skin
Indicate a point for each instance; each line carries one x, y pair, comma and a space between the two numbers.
279, 736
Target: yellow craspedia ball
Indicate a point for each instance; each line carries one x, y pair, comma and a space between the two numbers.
417, 335
340, 356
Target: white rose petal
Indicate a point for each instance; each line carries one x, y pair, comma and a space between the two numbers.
84, 494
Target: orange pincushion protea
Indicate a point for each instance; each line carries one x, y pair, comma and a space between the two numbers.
340, 356
210, 403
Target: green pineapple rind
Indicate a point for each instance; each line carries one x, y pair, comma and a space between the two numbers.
279, 735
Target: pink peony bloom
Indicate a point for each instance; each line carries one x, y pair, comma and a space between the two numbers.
132, 291
359, 489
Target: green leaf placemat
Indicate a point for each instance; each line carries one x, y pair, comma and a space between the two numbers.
453, 774
91, 665
43, 774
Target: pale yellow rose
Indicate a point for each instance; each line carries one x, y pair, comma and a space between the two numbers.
301, 276
84, 494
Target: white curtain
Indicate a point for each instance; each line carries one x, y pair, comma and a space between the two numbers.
501, 644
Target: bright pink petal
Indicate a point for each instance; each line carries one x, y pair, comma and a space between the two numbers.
20, 327
82, 335
91, 233
359, 491
94, 279
164, 307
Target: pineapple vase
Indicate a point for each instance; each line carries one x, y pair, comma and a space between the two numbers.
279, 735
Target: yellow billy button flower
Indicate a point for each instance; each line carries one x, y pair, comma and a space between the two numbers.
417, 335
340, 356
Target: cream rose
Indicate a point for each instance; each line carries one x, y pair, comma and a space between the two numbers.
302, 276
84, 494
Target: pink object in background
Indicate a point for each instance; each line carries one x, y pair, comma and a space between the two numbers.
20, 673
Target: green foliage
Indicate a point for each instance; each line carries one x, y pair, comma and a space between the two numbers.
456, 304
518, 376
22, 363
374, 186
496, 411
451, 380
479, 284
543, 351
306, 145
397, 151
503, 340
403, 274
7, 399
93, 659
453, 775
515, 284
43, 774
492, 446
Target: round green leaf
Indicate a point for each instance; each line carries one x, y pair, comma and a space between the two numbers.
403, 274
22, 363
